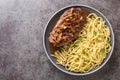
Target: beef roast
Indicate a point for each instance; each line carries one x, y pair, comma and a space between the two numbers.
68, 27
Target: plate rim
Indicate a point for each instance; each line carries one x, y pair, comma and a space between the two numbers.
111, 32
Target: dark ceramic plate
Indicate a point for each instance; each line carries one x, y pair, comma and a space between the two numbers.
49, 27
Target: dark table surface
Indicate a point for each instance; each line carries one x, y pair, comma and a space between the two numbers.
22, 23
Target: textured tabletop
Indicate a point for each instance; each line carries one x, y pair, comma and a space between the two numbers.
22, 24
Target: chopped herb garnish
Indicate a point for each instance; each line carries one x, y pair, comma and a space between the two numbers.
75, 45
108, 40
83, 51
99, 41
102, 50
80, 38
84, 64
95, 33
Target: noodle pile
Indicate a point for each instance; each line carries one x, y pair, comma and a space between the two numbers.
89, 49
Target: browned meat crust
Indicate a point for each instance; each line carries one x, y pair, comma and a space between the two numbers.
67, 27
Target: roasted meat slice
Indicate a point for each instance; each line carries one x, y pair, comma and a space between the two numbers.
68, 27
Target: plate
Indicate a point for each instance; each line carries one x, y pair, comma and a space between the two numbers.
51, 24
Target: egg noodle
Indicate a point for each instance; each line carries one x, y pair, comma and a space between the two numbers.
89, 49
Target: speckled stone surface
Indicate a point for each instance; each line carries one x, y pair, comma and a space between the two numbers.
22, 23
